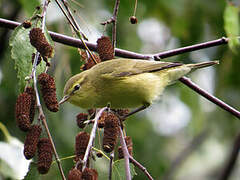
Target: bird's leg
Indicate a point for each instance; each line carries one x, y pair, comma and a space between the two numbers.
136, 110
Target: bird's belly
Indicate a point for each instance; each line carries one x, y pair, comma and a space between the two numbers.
132, 91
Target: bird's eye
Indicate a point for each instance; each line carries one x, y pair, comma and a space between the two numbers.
76, 87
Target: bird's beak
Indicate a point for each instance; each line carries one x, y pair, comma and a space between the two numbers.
64, 99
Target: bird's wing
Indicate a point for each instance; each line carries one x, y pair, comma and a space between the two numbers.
135, 67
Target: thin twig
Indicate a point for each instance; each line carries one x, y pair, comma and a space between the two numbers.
92, 136
127, 54
125, 153
41, 116
141, 167
231, 161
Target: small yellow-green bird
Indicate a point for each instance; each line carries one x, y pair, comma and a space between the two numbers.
124, 83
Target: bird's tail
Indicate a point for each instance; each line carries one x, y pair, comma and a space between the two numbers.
202, 65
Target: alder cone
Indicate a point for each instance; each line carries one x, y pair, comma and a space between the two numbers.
48, 90
39, 41
22, 111
74, 174
105, 48
44, 155
110, 135
31, 141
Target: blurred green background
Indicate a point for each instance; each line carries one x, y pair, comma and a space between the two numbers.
183, 136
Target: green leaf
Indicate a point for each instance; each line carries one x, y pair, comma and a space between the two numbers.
22, 51
119, 170
231, 26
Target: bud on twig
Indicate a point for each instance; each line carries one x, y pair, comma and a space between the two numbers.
110, 132
27, 24
105, 48
44, 155
48, 90
31, 141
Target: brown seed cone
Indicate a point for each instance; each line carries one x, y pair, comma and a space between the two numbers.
48, 90
39, 41
74, 174
44, 155
31, 92
90, 174
129, 144
31, 141
133, 20
105, 48
81, 142
81, 118
110, 132
89, 62
22, 111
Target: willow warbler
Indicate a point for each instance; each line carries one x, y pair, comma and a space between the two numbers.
124, 83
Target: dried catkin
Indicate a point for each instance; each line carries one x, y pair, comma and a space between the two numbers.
39, 41
74, 174
44, 155
48, 90
22, 111
110, 135
89, 174
31, 141
105, 48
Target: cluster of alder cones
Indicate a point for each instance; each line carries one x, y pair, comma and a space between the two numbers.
25, 110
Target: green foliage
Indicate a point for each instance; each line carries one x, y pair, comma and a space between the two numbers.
231, 26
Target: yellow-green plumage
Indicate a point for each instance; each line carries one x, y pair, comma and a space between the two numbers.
125, 83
